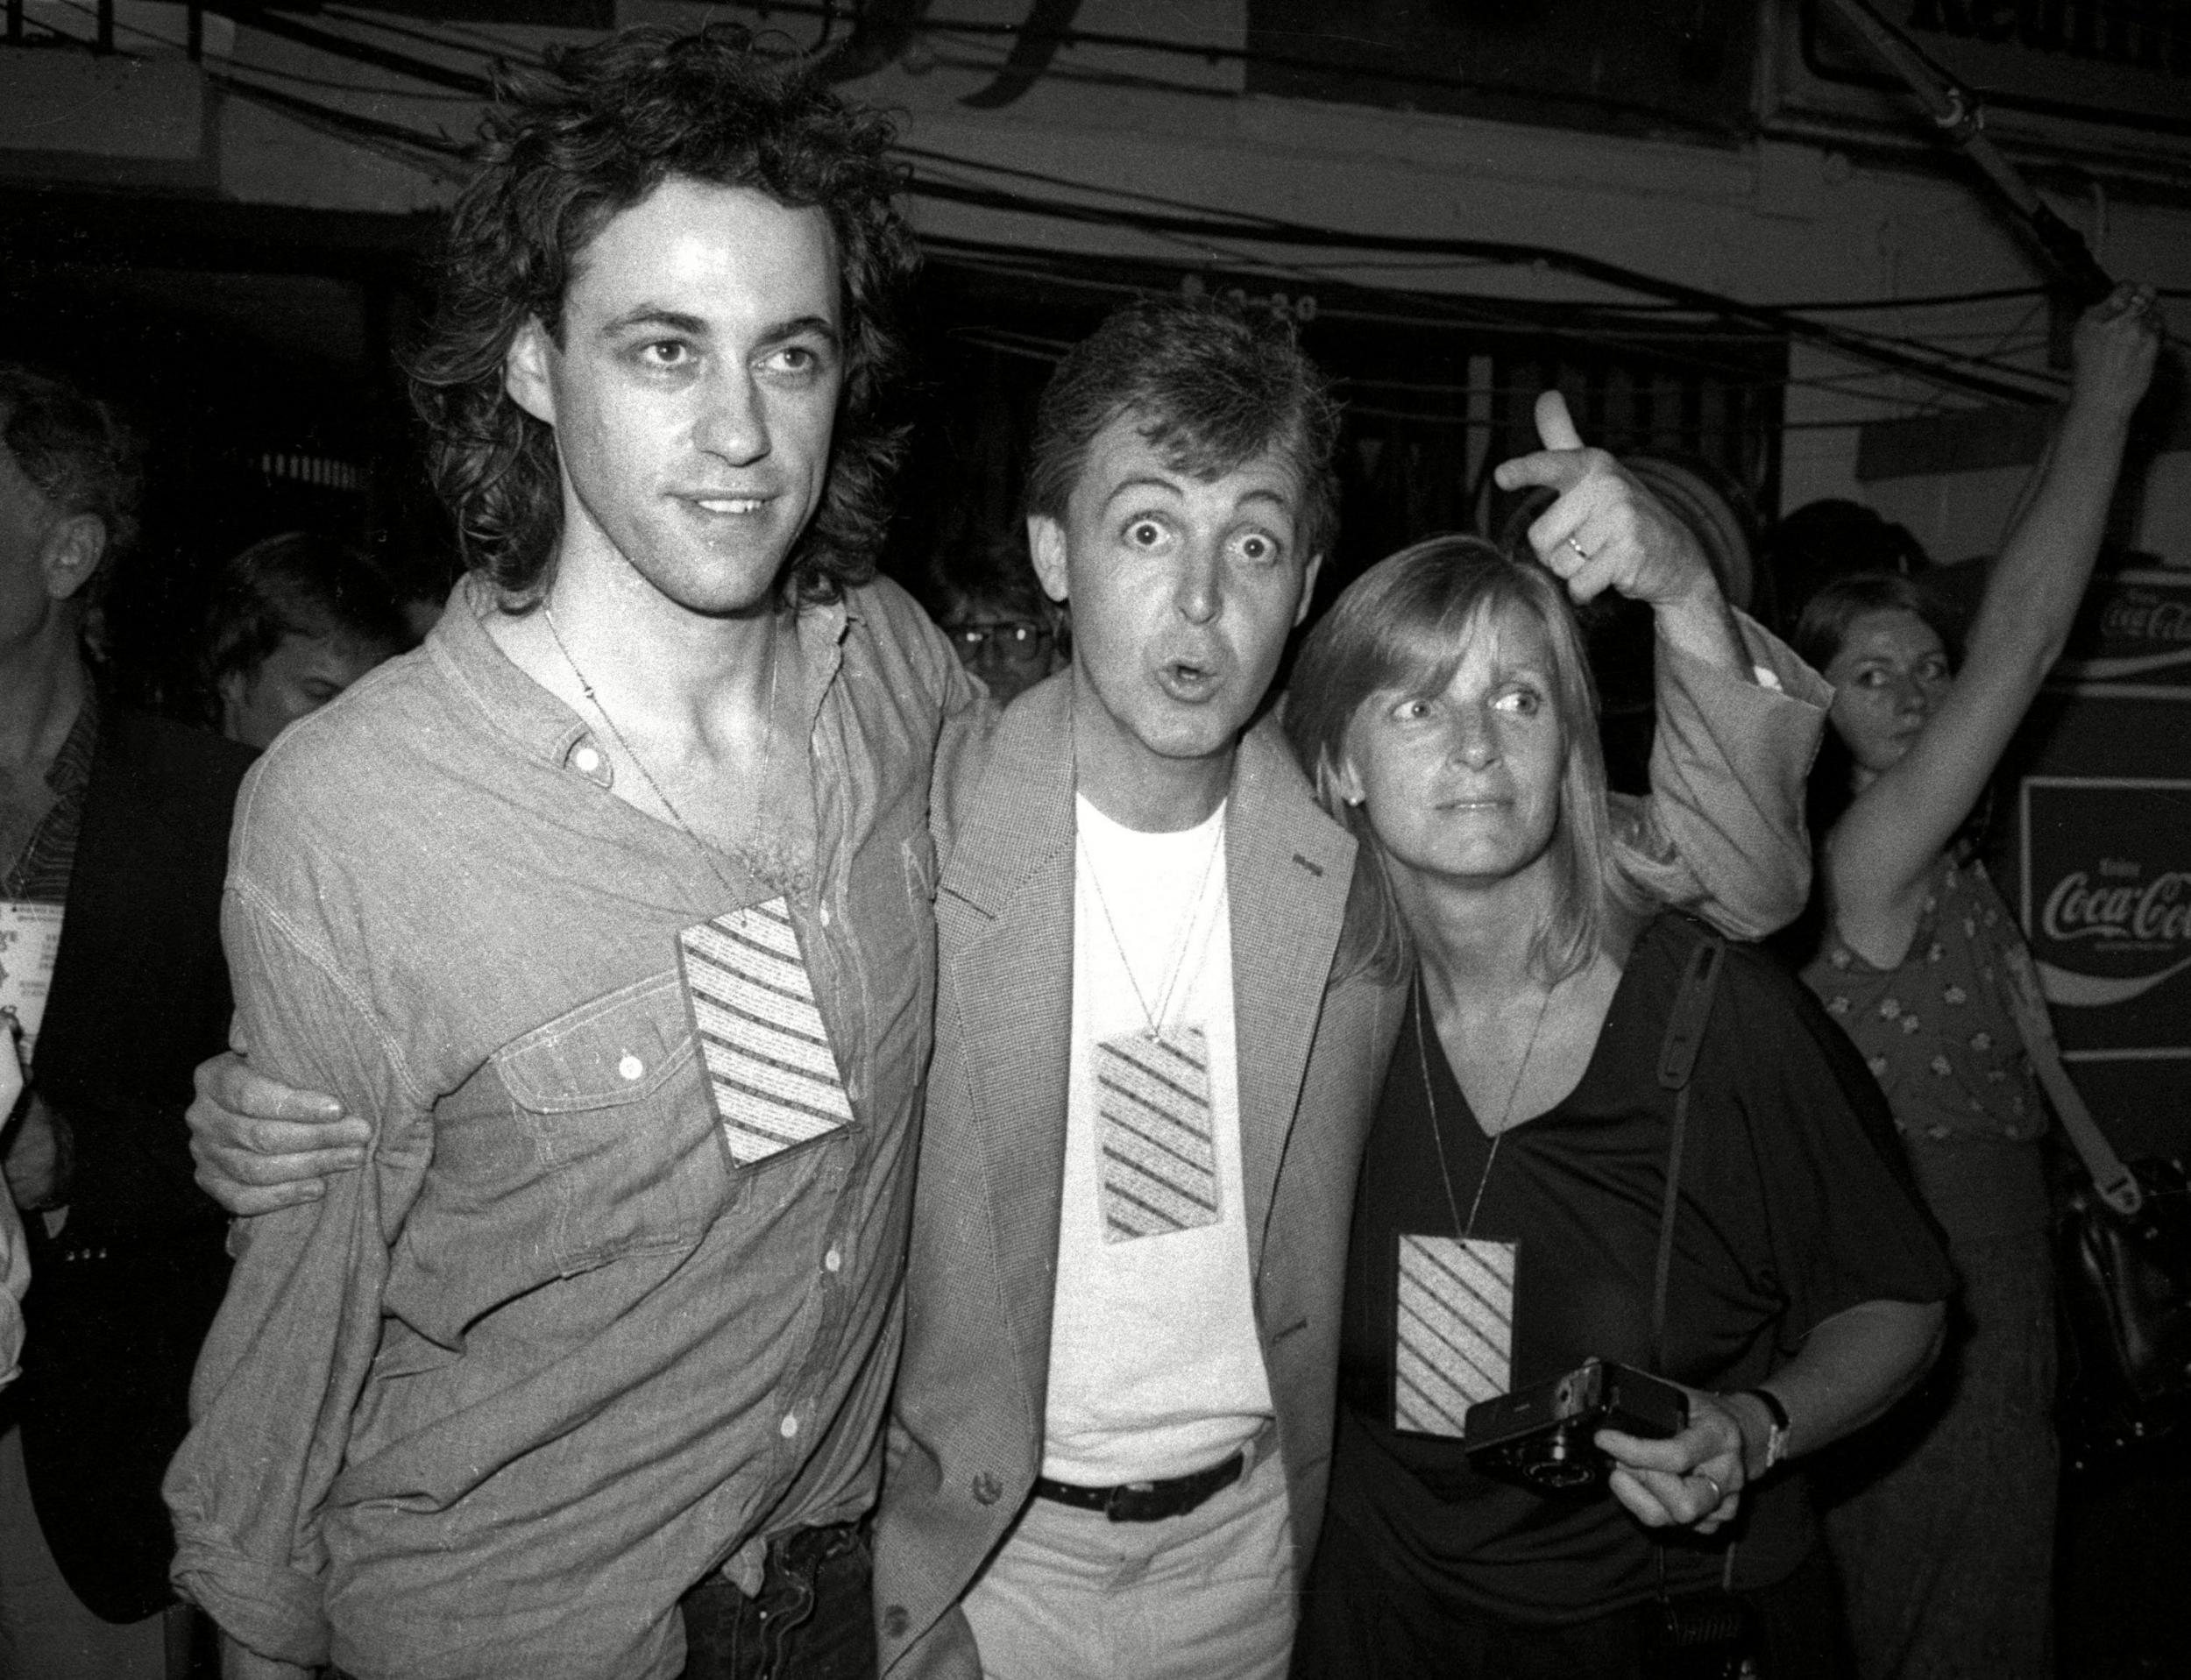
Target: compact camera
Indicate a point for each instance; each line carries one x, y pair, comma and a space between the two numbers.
1540, 1436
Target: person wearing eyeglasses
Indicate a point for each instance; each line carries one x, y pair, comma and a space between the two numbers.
999, 622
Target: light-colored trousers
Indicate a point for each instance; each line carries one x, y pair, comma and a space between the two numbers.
1072, 1595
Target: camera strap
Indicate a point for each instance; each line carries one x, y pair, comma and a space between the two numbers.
1676, 1060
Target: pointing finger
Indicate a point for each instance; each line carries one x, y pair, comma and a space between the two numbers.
1559, 469
1554, 426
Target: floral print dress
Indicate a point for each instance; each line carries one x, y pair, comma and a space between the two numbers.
1942, 1524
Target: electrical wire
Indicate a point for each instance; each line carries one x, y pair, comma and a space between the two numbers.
1919, 360
494, 47
1743, 379
1491, 315
327, 83
515, 53
1218, 223
1185, 225
1449, 314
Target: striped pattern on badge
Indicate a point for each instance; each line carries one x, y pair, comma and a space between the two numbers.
1455, 1345
1158, 1172
770, 1066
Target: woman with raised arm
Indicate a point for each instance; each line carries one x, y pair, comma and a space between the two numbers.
1522, 1174
1946, 1553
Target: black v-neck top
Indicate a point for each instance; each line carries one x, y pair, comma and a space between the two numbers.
1795, 1204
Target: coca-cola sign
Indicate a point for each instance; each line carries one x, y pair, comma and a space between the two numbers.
2107, 906
2133, 634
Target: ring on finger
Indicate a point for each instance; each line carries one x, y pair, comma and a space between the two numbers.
1580, 552
1718, 1493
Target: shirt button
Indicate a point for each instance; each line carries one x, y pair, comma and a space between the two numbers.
833, 1261
896, 1620
822, 914
789, 1427
987, 1489
631, 1068
588, 760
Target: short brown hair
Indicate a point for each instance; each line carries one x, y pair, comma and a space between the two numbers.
1214, 384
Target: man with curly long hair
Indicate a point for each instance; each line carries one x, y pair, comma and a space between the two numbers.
608, 915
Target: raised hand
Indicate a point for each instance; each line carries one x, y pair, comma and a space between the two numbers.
1606, 530
2114, 349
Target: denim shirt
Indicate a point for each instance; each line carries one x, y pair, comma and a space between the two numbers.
493, 1403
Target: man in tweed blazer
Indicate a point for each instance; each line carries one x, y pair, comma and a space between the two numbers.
1181, 498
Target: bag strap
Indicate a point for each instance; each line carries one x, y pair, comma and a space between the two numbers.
1677, 1061
2117, 1184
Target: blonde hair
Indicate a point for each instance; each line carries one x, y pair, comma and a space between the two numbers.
1403, 626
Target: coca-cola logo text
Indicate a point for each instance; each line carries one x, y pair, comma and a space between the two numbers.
2146, 620
2113, 909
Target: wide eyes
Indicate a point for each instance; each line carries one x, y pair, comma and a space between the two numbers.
1520, 701
1150, 533
1932, 671
1516, 700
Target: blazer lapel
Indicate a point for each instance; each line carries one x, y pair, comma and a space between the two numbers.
1288, 866
1005, 914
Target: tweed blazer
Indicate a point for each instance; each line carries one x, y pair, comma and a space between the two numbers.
967, 1440
1723, 834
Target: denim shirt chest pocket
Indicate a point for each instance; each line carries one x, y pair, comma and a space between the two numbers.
619, 1129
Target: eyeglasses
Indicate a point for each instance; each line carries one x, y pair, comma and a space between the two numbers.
1013, 640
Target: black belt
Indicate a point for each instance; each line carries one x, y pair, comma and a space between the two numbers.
1145, 1501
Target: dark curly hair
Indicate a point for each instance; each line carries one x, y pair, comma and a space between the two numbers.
569, 147
77, 453
1215, 384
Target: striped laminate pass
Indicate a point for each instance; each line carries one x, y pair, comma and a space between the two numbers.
1456, 1331
774, 1076
1158, 1167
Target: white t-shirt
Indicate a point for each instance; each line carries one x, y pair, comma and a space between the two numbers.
1156, 1368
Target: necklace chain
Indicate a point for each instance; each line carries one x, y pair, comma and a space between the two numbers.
1155, 1017
768, 750
1505, 1114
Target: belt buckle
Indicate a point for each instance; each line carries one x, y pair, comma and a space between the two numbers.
1136, 1502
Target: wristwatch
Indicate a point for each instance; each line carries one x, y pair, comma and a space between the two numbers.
1776, 1439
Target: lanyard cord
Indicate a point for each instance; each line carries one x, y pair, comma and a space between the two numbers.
1505, 1114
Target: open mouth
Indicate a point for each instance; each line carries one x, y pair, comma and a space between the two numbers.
1186, 680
